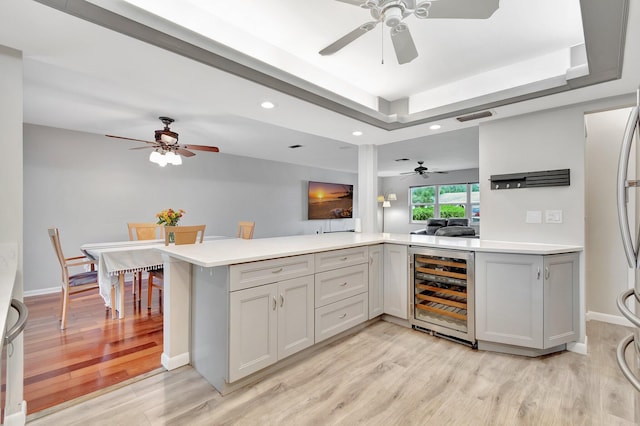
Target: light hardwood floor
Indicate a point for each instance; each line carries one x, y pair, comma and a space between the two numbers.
388, 375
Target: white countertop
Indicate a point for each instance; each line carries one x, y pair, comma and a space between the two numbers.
233, 251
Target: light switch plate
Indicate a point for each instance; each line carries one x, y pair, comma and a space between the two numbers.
553, 216
534, 216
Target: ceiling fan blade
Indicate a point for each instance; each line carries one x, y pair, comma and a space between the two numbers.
403, 44
201, 148
352, 36
141, 147
130, 139
184, 152
463, 9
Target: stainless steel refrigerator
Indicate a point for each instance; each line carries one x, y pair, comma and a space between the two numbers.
630, 229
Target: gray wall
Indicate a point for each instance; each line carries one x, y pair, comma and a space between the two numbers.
397, 217
606, 263
90, 186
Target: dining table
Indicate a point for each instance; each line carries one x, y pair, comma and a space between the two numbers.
116, 259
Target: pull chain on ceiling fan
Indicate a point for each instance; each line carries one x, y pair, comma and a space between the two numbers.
393, 13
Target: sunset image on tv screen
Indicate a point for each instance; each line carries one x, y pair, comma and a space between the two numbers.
330, 200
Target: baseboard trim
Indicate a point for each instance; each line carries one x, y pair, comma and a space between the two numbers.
578, 347
41, 291
611, 319
171, 363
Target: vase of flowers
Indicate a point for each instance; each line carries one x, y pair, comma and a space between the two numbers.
170, 217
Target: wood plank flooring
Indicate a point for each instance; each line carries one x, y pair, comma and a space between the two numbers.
388, 375
94, 352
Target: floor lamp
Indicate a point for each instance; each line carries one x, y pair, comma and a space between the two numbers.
386, 202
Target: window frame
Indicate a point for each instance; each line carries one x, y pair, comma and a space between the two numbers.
468, 204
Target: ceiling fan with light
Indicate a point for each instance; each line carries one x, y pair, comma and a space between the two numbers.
166, 149
422, 171
394, 12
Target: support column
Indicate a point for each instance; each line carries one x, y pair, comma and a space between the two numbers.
177, 313
11, 231
368, 187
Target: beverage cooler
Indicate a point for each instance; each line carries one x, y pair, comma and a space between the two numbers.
442, 293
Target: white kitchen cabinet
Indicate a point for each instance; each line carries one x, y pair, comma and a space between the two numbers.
332, 286
340, 316
529, 301
396, 280
268, 323
376, 281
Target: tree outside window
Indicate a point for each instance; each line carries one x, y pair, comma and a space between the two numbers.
445, 201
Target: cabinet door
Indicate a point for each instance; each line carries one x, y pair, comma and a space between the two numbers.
376, 281
561, 299
396, 280
295, 315
509, 292
253, 339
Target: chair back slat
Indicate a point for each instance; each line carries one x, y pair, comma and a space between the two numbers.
245, 230
184, 234
144, 231
54, 235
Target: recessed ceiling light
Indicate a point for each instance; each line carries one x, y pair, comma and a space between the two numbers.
435, 126
267, 105
357, 133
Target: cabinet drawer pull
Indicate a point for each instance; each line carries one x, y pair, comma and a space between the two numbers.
275, 303
281, 300
538, 274
342, 316
275, 271
343, 284
370, 260
546, 273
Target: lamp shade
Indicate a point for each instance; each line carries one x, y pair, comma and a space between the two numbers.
380, 198
386, 204
392, 197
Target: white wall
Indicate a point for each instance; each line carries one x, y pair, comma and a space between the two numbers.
542, 141
11, 125
606, 264
397, 218
90, 186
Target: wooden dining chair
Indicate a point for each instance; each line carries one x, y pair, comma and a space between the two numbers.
72, 283
245, 230
139, 231
181, 235
145, 231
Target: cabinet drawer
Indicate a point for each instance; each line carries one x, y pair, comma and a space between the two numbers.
328, 260
246, 275
339, 284
340, 316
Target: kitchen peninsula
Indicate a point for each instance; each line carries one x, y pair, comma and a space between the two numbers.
235, 307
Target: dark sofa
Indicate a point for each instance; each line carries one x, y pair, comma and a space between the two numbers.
453, 227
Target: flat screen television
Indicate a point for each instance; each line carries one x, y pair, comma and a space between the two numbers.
330, 201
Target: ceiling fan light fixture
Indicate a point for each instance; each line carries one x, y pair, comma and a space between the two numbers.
162, 160
422, 10
393, 16
167, 136
369, 4
154, 157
